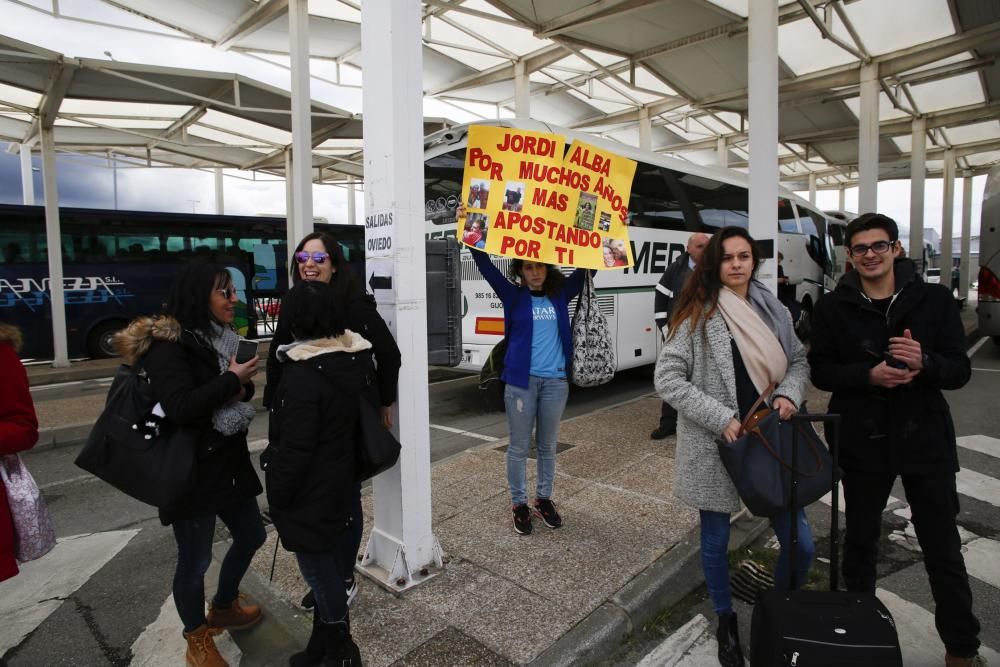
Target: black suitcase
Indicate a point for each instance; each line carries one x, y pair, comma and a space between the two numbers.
822, 628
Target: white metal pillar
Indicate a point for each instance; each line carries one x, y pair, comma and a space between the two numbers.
114, 178
292, 234
763, 116
918, 181
402, 550
722, 152
27, 176
947, 216
963, 266
220, 194
868, 141
812, 189
842, 199
53, 239
300, 219
522, 91
645, 130
352, 203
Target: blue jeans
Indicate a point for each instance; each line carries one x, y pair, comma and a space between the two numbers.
350, 543
194, 538
325, 574
538, 408
715, 554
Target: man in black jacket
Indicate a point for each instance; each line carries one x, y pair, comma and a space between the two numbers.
886, 344
667, 290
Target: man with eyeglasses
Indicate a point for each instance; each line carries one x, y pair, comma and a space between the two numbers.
886, 344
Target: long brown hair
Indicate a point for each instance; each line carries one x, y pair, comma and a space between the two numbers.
702, 288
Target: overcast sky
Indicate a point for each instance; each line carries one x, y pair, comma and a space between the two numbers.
86, 182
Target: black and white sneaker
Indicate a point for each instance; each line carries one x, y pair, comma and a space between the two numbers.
351, 587
546, 511
522, 519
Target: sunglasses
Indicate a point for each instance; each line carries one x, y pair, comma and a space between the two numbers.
318, 257
880, 248
228, 292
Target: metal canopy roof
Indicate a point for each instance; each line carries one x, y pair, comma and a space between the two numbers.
596, 65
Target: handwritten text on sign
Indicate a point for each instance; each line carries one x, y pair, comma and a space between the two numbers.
527, 197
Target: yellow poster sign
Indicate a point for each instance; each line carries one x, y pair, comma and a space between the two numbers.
527, 197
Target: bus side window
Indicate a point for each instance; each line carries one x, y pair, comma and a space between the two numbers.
786, 217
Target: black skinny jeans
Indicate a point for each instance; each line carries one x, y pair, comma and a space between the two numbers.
194, 538
934, 505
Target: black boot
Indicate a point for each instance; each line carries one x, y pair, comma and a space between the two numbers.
315, 649
341, 651
728, 636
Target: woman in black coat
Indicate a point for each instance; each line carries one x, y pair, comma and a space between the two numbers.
319, 258
309, 463
188, 355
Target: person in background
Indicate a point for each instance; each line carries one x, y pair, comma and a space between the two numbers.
539, 349
887, 344
668, 289
730, 341
18, 431
189, 357
318, 257
786, 291
309, 461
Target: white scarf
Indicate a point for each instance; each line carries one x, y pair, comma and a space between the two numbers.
763, 356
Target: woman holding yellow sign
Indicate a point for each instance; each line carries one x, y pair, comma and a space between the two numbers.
539, 349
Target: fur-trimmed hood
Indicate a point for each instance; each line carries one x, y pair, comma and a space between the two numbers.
134, 341
349, 341
10, 334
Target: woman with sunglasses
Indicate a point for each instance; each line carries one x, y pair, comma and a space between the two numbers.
319, 257
189, 357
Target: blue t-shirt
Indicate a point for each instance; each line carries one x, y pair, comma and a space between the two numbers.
547, 358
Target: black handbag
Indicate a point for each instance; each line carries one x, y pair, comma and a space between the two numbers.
758, 461
141, 454
376, 448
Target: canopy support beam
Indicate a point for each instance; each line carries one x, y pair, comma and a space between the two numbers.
402, 550
963, 266
53, 240
27, 177
868, 141
300, 220
763, 115
947, 217
918, 180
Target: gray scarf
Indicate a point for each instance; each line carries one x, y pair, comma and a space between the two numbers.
773, 312
233, 417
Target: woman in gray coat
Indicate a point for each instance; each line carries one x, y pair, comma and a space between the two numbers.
730, 340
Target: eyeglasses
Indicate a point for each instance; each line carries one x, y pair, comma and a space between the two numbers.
228, 292
318, 257
880, 248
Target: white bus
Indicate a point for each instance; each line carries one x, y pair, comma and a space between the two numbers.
989, 259
670, 200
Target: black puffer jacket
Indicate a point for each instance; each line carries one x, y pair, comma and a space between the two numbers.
361, 315
184, 375
903, 430
309, 464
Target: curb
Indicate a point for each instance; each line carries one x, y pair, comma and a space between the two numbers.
668, 580
76, 434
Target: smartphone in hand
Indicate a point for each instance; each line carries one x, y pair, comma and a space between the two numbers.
893, 362
246, 350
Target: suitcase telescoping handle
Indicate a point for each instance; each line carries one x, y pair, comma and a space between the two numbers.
834, 443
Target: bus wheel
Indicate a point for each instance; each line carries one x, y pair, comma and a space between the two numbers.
803, 327
101, 341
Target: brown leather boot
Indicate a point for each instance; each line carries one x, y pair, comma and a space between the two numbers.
201, 650
237, 616
954, 661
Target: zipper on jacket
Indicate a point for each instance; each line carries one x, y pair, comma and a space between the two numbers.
887, 310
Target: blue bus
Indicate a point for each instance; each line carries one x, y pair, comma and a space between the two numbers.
120, 264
